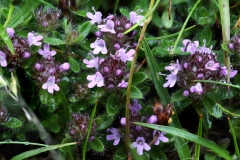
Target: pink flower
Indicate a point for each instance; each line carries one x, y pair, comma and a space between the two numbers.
32, 40
189, 46
152, 119
96, 79
126, 56
99, 46
123, 84
10, 32
92, 63
134, 18
174, 67
211, 65
64, 67
3, 61
108, 27
95, 18
160, 137
171, 80
140, 145
115, 135
197, 88
50, 85
46, 53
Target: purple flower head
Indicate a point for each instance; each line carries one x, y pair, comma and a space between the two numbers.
64, 67
140, 145
46, 53
197, 88
161, 137
135, 107
123, 121
95, 18
26, 55
108, 27
50, 85
3, 61
211, 65
172, 79
99, 46
96, 79
134, 18
92, 63
186, 93
174, 67
224, 72
152, 119
10, 32
126, 56
34, 40
123, 84
115, 135
189, 46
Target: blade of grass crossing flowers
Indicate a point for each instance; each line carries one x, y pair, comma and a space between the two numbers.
6, 39
197, 147
189, 136
23, 13
180, 144
234, 138
84, 146
31, 153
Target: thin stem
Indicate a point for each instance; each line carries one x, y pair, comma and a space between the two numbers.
227, 111
184, 25
116, 6
127, 127
84, 146
169, 36
234, 137
225, 21
25, 143
215, 82
9, 15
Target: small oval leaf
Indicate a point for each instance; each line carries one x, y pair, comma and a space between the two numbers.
12, 123
96, 145
212, 107
54, 41
74, 65
112, 105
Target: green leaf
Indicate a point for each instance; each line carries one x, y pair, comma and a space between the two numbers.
6, 39
54, 127
212, 106
81, 13
54, 41
223, 93
206, 35
178, 96
112, 105
24, 13
120, 154
96, 145
156, 153
83, 30
139, 77
198, 146
12, 123
135, 93
165, 19
20, 136
189, 136
104, 121
209, 156
180, 144
124, 12
74, 65
40, 150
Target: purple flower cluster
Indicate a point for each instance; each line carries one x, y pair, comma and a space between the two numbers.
78, 127
21, 48
234, 44
142, 137
201, 64
49, 71
47, 18
116, 49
